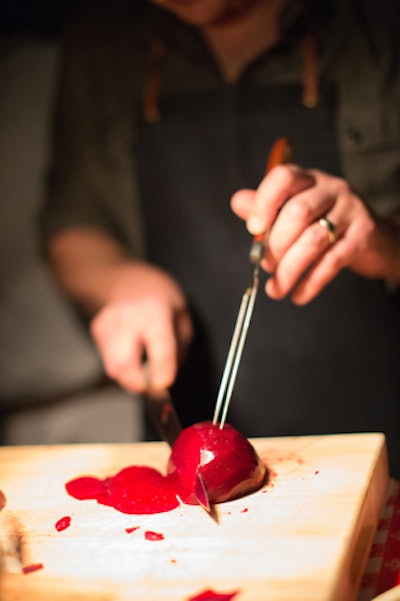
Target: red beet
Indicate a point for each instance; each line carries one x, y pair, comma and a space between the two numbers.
228, 463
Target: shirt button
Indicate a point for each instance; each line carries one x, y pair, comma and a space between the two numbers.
354, 136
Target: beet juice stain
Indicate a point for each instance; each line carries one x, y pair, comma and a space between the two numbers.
133, 490
226, 460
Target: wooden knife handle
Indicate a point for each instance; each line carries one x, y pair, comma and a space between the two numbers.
281, 153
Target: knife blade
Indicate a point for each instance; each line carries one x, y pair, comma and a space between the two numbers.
165, 420
162, 415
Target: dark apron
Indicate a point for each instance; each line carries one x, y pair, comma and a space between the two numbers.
329, 367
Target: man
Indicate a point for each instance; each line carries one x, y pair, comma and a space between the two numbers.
166, 112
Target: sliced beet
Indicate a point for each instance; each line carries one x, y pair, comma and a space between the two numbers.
227, 462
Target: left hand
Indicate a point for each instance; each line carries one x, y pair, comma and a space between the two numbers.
300, 256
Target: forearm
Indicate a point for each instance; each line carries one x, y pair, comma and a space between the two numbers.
134, 306
88, 266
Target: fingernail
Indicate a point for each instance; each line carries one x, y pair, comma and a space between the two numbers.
255, 225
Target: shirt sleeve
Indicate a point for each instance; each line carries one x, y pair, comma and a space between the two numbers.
368, 109
91, 177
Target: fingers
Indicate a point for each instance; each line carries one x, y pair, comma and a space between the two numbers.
160, 342
307, 266
296, 216
320, 274
315, 226
260, 211
123, 331
242, 203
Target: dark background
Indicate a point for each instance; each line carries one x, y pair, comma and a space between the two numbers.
41, 16
46, 16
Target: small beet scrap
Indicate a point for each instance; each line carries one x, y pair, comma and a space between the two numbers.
210, 595
131, 529
63, 523
33, 567
150, 535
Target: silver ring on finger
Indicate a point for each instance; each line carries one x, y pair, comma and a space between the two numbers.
329, 227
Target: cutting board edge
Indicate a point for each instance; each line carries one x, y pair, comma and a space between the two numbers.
366, 523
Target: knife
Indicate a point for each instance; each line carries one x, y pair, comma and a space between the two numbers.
163, 416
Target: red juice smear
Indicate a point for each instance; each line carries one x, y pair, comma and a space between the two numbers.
134, 490
209, 595
150, 535
33, 567
63, 523
140, 489
235, 471
87, 487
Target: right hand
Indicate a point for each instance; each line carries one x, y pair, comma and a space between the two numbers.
147, 312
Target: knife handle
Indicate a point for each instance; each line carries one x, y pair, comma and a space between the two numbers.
280, 154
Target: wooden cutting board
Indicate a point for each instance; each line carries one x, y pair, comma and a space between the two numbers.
305, 536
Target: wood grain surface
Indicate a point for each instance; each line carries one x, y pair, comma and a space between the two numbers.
305, 536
